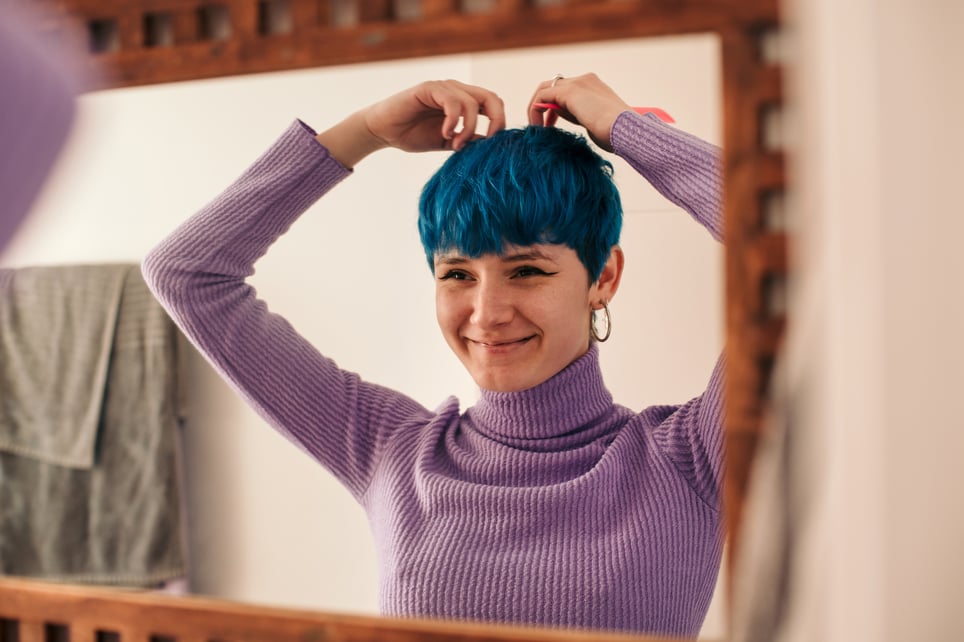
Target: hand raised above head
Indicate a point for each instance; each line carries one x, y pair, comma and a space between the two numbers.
584, 100
425, 117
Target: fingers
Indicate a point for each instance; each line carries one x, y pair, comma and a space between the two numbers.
433, 115
445, 114
558, 92
583, 100
537, 112
462, 105
494, 110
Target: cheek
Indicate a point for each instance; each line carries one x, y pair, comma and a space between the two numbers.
577, 305
578, 321
446, 311
440, 311
566, 311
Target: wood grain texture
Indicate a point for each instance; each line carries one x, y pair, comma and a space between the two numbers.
755, 255
375, 30
88, 612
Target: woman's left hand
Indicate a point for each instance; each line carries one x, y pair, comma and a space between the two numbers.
433, 115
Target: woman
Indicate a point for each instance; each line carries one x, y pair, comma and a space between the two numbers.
545, 503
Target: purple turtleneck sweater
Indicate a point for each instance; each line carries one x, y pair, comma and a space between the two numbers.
551, 506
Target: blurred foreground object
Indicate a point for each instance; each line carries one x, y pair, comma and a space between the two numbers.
36, 112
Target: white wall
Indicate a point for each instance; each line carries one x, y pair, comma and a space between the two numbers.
266, 524
875, 352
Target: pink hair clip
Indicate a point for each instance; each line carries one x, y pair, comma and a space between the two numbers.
659, 113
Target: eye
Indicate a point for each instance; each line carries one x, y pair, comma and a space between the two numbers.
531, 270
454, 275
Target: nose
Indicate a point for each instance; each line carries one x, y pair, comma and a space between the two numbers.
492, 305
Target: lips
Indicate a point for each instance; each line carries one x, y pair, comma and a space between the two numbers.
500, 344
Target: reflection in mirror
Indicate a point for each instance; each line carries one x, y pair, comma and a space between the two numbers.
265, 523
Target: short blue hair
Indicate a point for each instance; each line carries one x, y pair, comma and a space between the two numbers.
523, 187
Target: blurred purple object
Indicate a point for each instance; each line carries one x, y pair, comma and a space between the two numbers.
36, 111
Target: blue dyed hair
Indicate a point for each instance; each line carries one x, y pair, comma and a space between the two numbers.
522, 187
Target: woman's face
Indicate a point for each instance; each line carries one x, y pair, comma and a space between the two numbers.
516, 319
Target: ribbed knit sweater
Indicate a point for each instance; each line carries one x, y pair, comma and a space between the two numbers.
552, 506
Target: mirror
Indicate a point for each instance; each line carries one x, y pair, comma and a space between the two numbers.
265, 523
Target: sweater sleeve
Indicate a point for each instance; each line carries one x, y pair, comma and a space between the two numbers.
687, 171
683, 168
199, 275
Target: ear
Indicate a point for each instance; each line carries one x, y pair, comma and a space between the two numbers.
604, 289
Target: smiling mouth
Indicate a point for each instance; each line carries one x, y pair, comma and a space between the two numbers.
501, 344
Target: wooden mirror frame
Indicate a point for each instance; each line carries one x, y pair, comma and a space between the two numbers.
138, 42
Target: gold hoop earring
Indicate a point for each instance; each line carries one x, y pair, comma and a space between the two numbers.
593, 332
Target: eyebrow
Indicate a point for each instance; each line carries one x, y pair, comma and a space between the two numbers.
517, 257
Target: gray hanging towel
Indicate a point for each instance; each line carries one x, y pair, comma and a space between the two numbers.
88, 420
56, 332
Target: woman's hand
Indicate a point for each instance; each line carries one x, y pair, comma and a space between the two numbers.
422, 118
584, 100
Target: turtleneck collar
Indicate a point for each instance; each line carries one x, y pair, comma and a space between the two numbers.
569, 408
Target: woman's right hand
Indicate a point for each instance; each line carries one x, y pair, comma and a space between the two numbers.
422, 118
584, 100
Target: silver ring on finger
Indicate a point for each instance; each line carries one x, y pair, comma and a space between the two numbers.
556, 79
